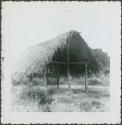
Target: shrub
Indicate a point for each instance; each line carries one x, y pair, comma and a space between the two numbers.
29, 93
94, 82
92, 106
45, 100
38, 81
100, 79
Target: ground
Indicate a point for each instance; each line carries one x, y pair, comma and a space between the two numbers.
36, 98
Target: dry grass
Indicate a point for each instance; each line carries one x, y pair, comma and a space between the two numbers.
60, 100
95, 100
36, 98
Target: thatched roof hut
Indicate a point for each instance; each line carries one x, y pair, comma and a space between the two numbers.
55, 50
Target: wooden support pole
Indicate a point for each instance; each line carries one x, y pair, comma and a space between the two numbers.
32, 79
86, 84
68, 75
57, 75
58, 79
45, 79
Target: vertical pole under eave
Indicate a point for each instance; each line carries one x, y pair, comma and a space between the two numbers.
68, 68
86, 84
45, 79
58, 75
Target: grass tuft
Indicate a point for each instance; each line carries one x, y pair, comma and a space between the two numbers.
92, 106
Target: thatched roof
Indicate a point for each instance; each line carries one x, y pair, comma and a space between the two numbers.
35, 58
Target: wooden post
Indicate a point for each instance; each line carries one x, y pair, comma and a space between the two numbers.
86, 84
68, 76
32, 79
45, 80
58, 75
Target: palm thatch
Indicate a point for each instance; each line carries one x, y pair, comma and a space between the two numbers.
37, 57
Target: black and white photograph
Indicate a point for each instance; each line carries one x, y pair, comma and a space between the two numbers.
61, 62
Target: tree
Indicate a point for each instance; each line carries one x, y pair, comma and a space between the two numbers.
103, 59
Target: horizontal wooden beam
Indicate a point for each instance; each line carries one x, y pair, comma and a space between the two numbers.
58, 62
78, 62
69, 62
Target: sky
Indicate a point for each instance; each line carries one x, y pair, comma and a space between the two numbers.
25, 24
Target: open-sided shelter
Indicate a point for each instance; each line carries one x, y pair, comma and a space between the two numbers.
65, 55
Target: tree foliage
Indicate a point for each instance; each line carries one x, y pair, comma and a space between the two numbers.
103, 59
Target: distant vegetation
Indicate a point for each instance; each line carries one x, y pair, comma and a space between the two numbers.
103, 59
